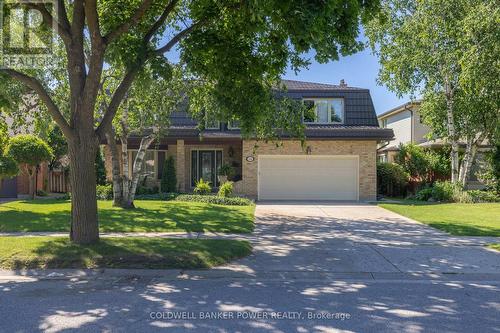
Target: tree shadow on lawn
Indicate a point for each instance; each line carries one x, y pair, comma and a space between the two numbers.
168, 217
465, 230
126, 253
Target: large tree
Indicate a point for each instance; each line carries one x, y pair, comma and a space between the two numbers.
239, 47
145, 114
447, 52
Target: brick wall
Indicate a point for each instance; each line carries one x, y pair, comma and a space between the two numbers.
366, 150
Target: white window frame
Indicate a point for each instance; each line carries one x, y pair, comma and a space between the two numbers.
230, 126
155, 158
212, 128
329, 111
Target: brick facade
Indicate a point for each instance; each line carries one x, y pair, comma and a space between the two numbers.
366, 150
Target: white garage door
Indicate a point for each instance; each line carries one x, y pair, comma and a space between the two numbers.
306, 177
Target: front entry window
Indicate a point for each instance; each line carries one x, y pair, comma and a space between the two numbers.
205, 164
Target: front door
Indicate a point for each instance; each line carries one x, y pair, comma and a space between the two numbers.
207, 166
204, 165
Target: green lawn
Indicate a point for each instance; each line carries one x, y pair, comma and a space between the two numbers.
457, 219
54, 215
52, 252
494, 246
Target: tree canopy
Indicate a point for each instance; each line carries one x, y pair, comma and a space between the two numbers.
446, 52
238, 49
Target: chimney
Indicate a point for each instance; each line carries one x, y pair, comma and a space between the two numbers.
343, 84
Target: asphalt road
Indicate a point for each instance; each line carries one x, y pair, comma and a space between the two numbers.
212, 304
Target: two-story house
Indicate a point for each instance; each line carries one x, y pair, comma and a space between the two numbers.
406, 123
338, 163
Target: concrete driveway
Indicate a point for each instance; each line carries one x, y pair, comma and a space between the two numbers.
358, 238
315, 268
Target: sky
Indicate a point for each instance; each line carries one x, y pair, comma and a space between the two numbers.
358, 70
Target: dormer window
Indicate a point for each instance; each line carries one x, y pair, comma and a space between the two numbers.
233, 125
212, 124
324, 111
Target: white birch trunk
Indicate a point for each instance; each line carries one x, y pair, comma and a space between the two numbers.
469, 158
115, 164
452, 132
126, 177
137, 169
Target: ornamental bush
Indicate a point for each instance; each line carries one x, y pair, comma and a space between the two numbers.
169, 177
104, 192
226, 190
29, 151
213, 199
202, 187
392, 180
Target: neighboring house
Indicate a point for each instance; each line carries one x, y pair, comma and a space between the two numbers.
407, 125
338, 163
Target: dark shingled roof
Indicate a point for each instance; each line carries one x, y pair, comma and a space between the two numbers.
360, 117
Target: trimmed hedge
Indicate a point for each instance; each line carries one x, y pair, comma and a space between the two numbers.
157, 196
392, 180
235, 201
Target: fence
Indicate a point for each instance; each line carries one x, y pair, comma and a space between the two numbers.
58, 182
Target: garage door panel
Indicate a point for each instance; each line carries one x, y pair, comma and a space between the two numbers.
308, 178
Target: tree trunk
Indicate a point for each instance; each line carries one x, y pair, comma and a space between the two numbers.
115, 163
137, 169
31, 182
126, 174
452, 133
469, 158
84, 224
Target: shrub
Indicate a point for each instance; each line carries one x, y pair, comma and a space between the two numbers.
212, 199
413, 160
392, 179
226, 170
202, 187
490, 173
29, 151
226, 190
144, 190
424, 194
483, 196
448, 191
104, 192
157, 196
423, 164
169, 177
41, 193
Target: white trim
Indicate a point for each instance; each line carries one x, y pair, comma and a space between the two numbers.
212, 128
155, 151
232, 127
356, 157
329, 110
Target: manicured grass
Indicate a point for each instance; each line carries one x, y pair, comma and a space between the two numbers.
52, 252
494, 246
148, 216
457, 219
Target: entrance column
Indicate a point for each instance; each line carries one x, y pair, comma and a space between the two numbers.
181, 166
